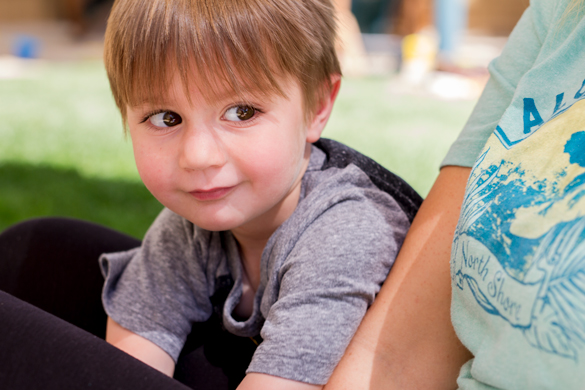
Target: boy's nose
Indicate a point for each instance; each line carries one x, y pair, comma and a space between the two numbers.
201, 149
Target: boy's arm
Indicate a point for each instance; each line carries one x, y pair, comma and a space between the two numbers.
139, 347
406, 340
257, 381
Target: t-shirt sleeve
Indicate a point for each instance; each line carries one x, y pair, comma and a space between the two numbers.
158, 290
506, 71
326, 284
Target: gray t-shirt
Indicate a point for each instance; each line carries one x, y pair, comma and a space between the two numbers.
320, 271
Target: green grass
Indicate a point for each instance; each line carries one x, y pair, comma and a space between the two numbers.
62, 149
36, 190
409, 135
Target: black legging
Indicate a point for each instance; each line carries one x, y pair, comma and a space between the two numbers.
52, 322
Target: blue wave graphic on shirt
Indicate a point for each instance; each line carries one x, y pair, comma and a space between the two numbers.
555, 320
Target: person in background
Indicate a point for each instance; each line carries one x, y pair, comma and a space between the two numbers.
451, 22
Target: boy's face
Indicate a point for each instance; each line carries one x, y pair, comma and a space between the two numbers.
225, 165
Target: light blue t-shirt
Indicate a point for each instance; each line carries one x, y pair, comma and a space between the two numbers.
518, 256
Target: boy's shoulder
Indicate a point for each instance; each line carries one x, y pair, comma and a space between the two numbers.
325, 264
347, 199
338, 155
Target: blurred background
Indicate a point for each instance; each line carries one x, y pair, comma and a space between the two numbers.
413, 70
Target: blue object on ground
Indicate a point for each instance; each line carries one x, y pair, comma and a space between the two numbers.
26, 46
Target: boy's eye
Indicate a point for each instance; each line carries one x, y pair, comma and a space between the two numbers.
240, 113
166, 119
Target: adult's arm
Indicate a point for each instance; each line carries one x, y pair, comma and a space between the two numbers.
406, 340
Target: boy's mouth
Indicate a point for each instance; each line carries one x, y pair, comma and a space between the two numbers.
211, 194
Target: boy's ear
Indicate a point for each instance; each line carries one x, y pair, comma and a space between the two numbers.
321, 116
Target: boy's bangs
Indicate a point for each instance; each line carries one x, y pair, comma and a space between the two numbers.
235, 45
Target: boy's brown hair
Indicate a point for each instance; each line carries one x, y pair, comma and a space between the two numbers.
244, 45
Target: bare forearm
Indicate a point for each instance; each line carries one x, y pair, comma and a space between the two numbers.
139, 347
406, 340
257, 381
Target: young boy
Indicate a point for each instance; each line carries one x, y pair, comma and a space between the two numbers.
265, 238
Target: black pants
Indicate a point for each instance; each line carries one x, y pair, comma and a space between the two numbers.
52, 322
